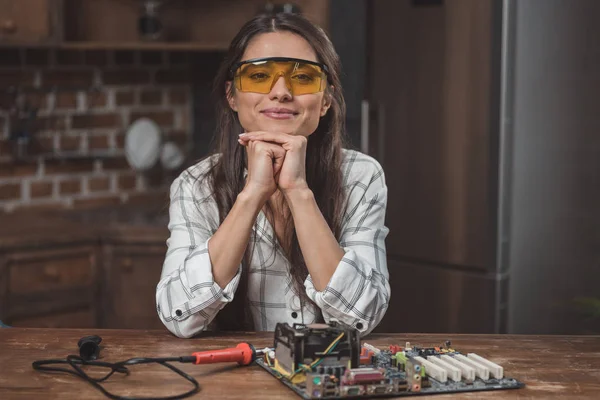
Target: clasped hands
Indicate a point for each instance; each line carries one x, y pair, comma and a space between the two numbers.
275, 161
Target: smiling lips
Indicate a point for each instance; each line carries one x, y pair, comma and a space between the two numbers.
279, 113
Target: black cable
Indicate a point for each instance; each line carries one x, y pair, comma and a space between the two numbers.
76, 361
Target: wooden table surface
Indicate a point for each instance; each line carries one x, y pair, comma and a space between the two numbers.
552, 367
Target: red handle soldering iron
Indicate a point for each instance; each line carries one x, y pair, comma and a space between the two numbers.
243, 354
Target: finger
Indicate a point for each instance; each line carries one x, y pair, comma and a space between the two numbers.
244, 139
265, 146
278, 151
278, 159
274, 151
275, 137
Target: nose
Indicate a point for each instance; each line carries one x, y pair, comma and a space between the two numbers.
280, 90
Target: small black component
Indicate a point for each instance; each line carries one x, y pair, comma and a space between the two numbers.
427, 352
336, 370
89, 347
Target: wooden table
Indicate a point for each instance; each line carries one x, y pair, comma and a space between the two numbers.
552, 367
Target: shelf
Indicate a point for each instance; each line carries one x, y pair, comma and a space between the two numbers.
63, 158
165, 46
155, 46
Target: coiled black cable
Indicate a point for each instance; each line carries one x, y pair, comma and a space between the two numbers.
76, 362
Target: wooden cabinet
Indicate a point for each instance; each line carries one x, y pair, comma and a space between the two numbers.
56, 287
115, 24
84, 318
131, 275
73, 287
30, 22
58, 272
204, 25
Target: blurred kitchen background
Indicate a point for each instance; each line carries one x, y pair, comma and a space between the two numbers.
484, 113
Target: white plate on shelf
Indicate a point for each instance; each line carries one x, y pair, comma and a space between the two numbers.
171, 156
142, 144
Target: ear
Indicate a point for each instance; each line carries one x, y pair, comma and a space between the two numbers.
326, 102
229, 95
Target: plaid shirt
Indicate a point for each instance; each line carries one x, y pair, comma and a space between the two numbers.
357, 295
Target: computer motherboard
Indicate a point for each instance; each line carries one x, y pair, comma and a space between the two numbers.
327, 361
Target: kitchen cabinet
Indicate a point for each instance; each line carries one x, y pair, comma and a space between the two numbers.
186, 24
131, 275
115, 24
30, 22
98, 269
81, 319
55, 287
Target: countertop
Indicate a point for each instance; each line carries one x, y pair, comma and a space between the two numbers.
126, 224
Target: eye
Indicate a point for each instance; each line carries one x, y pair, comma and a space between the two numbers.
259, 76
303, 78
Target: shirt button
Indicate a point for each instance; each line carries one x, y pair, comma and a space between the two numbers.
178, 313
294, 315
359, 325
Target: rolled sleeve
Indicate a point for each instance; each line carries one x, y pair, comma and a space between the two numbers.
358, 292
187, 297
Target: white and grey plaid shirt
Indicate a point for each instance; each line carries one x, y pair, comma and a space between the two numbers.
357, 295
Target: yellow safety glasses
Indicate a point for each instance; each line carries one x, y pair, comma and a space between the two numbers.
259, 75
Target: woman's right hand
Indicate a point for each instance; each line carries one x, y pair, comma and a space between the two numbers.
264, 164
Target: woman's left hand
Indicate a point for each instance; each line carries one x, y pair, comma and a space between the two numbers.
292, 175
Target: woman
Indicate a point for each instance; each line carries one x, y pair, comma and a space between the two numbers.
280, 218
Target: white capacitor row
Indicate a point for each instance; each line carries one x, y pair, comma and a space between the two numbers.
457, 367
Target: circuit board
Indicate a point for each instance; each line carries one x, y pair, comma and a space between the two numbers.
369, 372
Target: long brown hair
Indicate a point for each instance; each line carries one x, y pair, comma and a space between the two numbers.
323, 158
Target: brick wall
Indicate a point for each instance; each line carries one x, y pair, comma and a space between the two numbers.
85, 102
